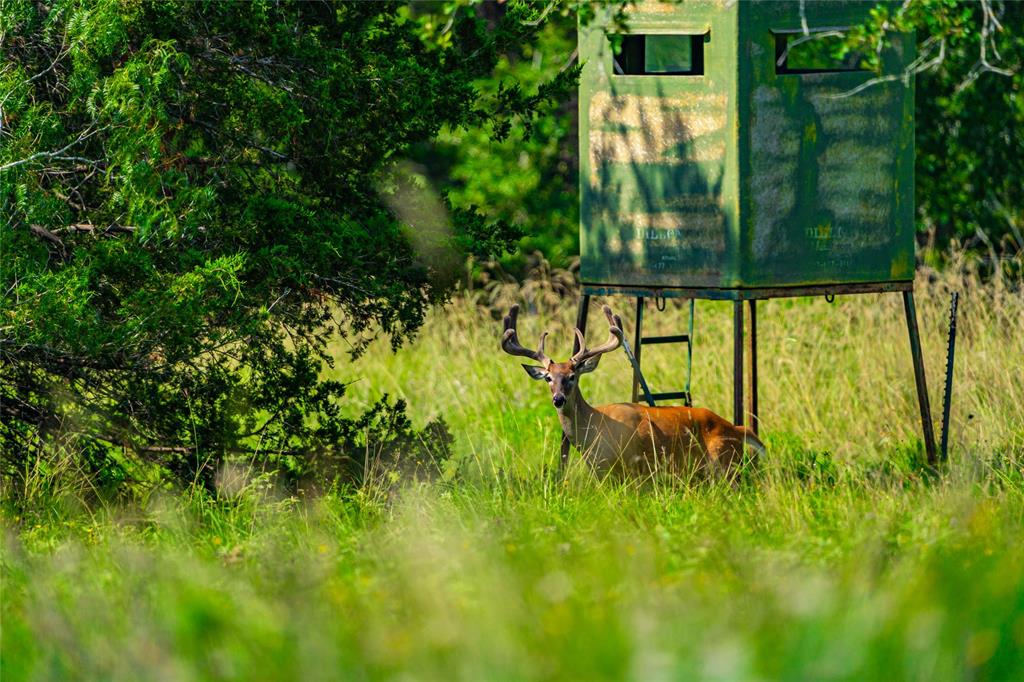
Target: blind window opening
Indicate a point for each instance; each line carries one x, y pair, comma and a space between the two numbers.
659, 55
822, 52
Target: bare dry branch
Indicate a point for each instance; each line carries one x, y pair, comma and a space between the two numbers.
59, 153
543, 15
915, 67
43, 233
989, 27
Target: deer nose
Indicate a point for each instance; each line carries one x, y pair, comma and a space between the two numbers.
558, 400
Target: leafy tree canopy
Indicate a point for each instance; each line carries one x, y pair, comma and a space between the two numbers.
197, 195
530, 180
970, 116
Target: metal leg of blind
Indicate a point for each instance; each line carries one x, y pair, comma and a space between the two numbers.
737, 362
637, 346
922, 388
752, 367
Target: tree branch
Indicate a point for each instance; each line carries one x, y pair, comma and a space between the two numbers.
58, 154
43, 233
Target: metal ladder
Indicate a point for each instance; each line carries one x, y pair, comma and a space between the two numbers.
635, 354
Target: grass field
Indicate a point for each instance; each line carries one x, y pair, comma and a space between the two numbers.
840, 558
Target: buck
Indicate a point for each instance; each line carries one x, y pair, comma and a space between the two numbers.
628, 438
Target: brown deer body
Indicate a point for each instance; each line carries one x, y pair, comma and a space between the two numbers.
628, 438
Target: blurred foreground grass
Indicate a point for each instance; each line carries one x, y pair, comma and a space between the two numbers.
839, 559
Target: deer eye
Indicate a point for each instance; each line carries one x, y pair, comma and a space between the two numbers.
547, 378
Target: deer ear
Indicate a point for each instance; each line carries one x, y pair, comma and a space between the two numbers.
588, 365
535, 372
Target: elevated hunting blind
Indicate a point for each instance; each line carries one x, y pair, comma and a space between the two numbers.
722, 146
735, 150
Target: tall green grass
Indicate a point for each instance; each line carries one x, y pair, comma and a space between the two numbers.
832, 377
840, 558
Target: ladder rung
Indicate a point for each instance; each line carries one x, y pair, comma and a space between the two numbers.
675, 395
676, 338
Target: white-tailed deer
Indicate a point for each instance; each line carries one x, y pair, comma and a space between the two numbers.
628, 438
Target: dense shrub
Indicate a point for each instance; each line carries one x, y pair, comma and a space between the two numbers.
197, 196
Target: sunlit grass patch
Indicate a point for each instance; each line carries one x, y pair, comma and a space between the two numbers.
840, 556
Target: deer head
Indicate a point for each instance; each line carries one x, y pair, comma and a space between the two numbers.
562, 377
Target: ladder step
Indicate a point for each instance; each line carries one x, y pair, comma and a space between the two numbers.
676, 338
675, 395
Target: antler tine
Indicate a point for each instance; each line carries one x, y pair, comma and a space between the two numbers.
510, 319
613, 342
510, 340
582, 342
613, 319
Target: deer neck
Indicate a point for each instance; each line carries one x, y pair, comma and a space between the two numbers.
579, 420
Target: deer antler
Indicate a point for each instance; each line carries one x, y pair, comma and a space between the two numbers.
613, 342
510, 340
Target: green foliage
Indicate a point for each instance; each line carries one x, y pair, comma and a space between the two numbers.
837, 558
197, 197
518, 579
526, 179
970, 117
